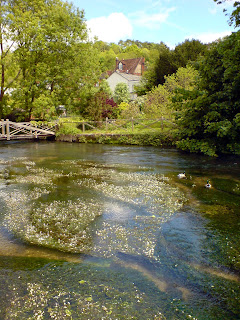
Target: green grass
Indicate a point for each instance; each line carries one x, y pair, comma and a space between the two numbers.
120, 132
119, 127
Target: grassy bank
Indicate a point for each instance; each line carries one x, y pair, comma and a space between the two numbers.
155, 134
142, 139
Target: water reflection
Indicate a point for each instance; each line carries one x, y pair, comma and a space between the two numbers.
137, 242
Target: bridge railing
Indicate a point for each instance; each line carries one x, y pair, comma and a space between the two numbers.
22, 130
124, 124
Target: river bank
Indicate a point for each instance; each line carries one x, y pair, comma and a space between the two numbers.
163, 139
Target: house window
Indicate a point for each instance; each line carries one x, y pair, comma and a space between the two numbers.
120, 66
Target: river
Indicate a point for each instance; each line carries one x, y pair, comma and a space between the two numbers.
110, 232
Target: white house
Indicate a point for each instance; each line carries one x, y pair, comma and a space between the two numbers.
130, 79
127, 71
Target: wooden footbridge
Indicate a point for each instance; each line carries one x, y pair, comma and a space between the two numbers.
10, 130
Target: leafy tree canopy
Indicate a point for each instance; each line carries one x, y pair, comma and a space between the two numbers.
209, 117
121, 93
47, 43
158, 101
234, 17
169, 61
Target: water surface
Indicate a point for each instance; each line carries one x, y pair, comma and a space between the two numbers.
110, 232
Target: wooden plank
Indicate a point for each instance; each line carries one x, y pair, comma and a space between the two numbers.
7, 129
34, 129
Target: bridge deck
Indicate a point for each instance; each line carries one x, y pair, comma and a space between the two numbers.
10, 130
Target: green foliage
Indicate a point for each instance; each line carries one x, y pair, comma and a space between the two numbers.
130, 110
68, 129
189, 51
235, 15
184, 78
121, 93
209, 117
134, 50
104, 86
96, 105
101, 106
168, 62
159, 139
196, 146
107, 60
44, 107
49, 59
163, 66
158, 101
123, 109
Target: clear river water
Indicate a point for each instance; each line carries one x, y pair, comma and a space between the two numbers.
110, 232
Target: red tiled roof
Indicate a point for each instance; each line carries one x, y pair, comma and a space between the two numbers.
130, 65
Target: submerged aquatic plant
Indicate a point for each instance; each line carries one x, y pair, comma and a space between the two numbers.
63, 225
92, 296
42, 211
145, 252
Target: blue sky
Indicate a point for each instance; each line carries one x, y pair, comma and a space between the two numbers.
170, 21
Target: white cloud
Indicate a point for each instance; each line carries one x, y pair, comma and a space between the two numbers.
213, 11
208, 37
113, 28
150, 21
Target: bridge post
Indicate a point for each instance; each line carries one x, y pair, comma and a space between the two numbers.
106, 123
7, 129
3, 127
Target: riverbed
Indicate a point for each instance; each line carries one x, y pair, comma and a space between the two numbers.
110, 232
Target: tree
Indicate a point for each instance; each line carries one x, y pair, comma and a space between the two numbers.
46, 49
185, 78
169, 61
235, 15
100, 106
8, 66
104, 86
189, 51
107, 60
134, 50
157, 103
209, 117
50, 52
129, 110
159, 100
121, 93
96, 106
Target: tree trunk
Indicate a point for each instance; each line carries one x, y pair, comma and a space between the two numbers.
2, 76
